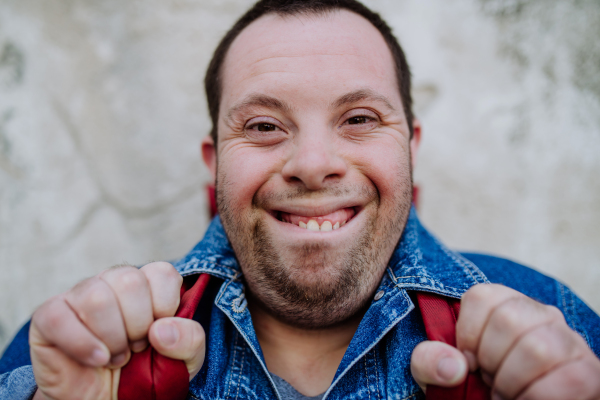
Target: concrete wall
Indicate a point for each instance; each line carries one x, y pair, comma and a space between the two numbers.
102, 111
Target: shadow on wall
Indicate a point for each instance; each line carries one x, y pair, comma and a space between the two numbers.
3, 338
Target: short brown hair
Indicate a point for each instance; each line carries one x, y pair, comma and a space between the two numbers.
212, 80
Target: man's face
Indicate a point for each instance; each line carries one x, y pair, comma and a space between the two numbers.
312, 135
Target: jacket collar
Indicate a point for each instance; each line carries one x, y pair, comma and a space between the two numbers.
420, 262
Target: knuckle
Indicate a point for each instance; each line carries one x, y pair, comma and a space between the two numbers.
574, 378
478, 293
48, 317
164, 271
131, 280
548, 345
538, 347
554, 313
98, 296
506, 316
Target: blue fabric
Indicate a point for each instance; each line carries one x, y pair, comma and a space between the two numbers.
288, 392
18, 384
377, 362
14, 356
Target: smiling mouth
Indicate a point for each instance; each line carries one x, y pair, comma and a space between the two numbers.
323, 223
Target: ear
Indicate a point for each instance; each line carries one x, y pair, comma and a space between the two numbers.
414, 142
209, 155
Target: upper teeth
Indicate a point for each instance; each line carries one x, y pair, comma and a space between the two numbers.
326, 226
312, 225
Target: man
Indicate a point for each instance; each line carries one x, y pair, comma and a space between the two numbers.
317, 254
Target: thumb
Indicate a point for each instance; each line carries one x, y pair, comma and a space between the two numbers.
180, 339
437, 363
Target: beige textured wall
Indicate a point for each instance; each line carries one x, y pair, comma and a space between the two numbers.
102, 111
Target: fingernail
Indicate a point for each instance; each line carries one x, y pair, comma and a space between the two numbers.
167, 334
138, 345
471, 359
98, 358
118, 359
450, 369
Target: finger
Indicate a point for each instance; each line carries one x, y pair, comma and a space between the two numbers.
133, 295
437, 363
506, 324
180, 339
575, 380
60, 377
476, 306
536, 353
165, 284
55, 323
95, 304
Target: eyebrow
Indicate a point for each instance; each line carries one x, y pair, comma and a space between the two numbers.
258, 100
360, 95
263, 100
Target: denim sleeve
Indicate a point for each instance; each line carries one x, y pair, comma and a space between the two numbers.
17, 353
580, 317
16, 375
18, 384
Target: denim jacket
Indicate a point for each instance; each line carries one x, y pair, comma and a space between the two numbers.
376, 364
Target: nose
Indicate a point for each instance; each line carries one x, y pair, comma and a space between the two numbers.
314, 161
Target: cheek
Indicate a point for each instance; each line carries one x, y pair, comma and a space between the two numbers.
242, 172
388, 168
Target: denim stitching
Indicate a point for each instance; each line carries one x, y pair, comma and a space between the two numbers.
570, 312
376, 371
237, 395
453, 256
224, 289
189, 268
239, 304
375, 341
237, 335
400, 285
367, 376
472, 267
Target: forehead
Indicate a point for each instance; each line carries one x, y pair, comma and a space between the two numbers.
329, 53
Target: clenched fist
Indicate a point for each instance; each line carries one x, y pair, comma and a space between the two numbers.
80, 339
524, 350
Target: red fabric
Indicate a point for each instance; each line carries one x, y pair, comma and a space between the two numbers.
151, 376
212, 200
439, 317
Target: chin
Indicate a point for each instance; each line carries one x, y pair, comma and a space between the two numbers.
312, 286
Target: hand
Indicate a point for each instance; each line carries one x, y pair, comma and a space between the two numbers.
80, 339
524, 350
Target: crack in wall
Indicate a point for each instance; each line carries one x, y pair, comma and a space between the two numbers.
105, 198
6, 163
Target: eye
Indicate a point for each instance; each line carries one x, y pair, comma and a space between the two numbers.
361, 119
264, 127
265, 131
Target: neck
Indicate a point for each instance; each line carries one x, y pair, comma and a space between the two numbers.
307, 359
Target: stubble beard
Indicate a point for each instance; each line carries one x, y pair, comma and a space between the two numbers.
316, 289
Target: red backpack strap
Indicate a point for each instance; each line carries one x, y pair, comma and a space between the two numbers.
151, 376
439, 317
